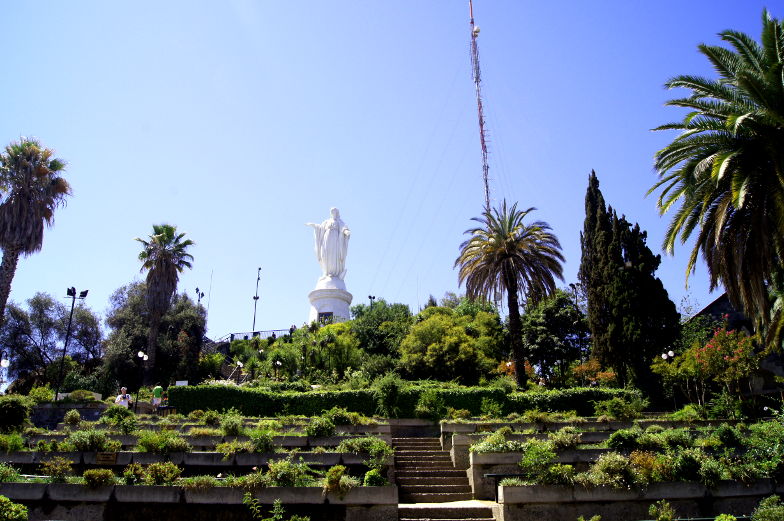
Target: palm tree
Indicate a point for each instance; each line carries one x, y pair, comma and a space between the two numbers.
726, 168
504, 255
32, 188
164, 257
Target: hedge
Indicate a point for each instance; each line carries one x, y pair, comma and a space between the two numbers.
255, 402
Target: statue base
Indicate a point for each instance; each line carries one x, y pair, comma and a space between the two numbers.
329, 304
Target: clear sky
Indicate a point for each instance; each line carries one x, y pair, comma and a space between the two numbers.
239, 121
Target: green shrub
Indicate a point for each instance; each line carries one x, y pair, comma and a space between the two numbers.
232, 423
262, 440
611, 469
8, 474
566, 438
277, 514
725, 517
537, 456
196, 415
127, 425
199, 483
711, 472
41, 394
115, 413
374, 478
58, 469
687, 464
689, 413
95, 478
320, 427
81, 395
491, 408
457, 414
133, 474
342, 416
662, 511
92, 441
729, 435
557, 474
678, 438
388, 395
288, 473
11, 442
620, 408
72, 418
624, 439
769, 509
233, 447
14, 412
161, 473
162, 442
377, 449
430, 405
211, 418
497, 442
338, 481
594, 518
10, 511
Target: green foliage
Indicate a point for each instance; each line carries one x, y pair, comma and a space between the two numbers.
491, 408
611, 469
388, 391
116, 413
688, 413
81, 395
196, 415
497, 442
11, 442
594, 518
430, 405
377, 449
14, 412
92, 440
725, 517
230, 448
565, 438
262, 440
621, 409
57, 468
41, 394
288, 473
72, 418
374, 478
161, 473
625, 439
537, 457
210, 417
8, 474
162, 442
10, 511
95, 478
380, 328
338, 481
232, 423
199, 483
133, 474
630, 315
770, 509
320, 427
662, 511
277, 514
446, 346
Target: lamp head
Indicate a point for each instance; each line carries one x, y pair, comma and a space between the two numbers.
5, 362
71, 292
140, 354
83, 294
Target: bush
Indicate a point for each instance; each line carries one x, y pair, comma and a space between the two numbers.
262, 441
611, 469
711, 472
162, 473
320, 427
162, 442
196, 415
620, 408
199, 483
379, 451
287, 473
81, 395
204, 431
624, 439
374, 478
58, 469
687, 464
92, 441
430, 405
725, 517
232, 423
769, 509
11, 442
211, 418
565, 438
557, 474
41, 394
114, 413
388, 395
662, 511
338, 481
14, 412
491, 408
10, 511
133, 474
8, 474
537, 457
497, 442
72, 418
342, 416
688, 413
95, 478
233, 447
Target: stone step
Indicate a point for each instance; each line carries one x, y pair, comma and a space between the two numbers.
424, 473
435, 457
446, 465
431, 480
417, 447
435, 497
449, 518
434, 489
444, 512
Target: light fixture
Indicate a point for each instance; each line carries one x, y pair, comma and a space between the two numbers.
140, 354
670, 354
664, 356
5, 362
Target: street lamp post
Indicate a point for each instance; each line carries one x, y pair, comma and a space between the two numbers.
256, 298
142, 358
371, 298
70, 293
4, 363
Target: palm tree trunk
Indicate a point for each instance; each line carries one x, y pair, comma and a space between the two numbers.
7, 271
152, 348
515, 327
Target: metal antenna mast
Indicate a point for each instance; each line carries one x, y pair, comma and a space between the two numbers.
256, 298
480, 110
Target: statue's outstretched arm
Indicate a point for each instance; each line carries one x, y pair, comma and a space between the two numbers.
312, 225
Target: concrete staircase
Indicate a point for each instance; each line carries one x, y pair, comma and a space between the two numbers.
430, 487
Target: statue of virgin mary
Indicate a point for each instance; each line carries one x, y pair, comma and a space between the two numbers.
331, 245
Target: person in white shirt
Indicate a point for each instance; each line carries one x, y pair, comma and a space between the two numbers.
123, 398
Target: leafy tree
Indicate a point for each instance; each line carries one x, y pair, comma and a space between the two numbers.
182, 330
381, 327
506, 256
446, 346
35, 337
32, 189
164, 257
555, 334
630, 315
725, 169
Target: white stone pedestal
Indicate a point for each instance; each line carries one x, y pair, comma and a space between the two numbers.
330, 296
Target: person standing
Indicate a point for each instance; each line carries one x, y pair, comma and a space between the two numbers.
123, 399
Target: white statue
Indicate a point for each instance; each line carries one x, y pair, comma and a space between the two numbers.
331, 245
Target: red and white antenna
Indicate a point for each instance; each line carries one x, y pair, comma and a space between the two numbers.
480, 111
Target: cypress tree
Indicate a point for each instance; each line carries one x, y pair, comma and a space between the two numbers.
630, 314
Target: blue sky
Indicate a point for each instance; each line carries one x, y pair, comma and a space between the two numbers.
239, 121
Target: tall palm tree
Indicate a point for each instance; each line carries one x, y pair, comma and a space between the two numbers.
504, 255
31, 189
164, 257
726, 168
